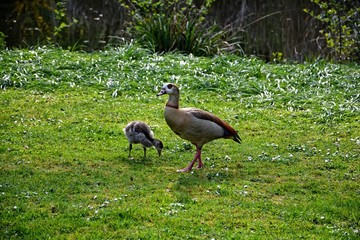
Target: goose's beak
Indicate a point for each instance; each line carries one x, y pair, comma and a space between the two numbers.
162, 92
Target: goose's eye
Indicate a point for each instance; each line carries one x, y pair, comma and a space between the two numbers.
170, 86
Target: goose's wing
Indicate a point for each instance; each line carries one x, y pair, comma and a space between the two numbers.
229, 132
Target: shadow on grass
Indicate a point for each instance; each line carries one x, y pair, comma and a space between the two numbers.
205, 176
137, 161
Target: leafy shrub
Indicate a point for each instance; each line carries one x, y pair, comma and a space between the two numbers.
2, 40
340, 27
164, 26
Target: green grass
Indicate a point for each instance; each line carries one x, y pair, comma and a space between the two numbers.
64, 171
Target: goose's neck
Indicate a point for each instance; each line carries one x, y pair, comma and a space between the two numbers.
173, 101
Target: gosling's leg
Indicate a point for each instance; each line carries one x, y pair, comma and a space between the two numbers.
130, 147
144, 152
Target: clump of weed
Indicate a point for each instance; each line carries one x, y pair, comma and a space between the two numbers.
179, 26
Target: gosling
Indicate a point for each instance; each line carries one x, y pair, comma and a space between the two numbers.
140, 132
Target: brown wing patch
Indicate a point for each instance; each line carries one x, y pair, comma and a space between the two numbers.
201, 114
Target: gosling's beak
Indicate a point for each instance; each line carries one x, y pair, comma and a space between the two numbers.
162, 92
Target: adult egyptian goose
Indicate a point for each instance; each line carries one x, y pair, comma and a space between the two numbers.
140, 132
195, 125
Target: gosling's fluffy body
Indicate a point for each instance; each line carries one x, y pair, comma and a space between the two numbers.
195, 125
139, 132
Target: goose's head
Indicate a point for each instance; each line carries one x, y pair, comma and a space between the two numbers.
158, 145
168, 88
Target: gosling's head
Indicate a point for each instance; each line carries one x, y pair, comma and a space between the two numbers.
158, 145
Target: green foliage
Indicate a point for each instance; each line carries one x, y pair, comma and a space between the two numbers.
43, 22
62, 26
278, 57
2, 40
165, 26
65, 172
34, 19
341, 23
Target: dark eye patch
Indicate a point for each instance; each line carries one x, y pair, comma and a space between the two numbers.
170, 86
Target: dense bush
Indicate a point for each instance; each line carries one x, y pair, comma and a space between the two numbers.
273, 30
73, 24
341, 22
178, 25
2, 40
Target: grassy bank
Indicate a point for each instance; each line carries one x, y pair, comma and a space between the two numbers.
65, 172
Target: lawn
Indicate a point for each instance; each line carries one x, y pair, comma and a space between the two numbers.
65, 171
